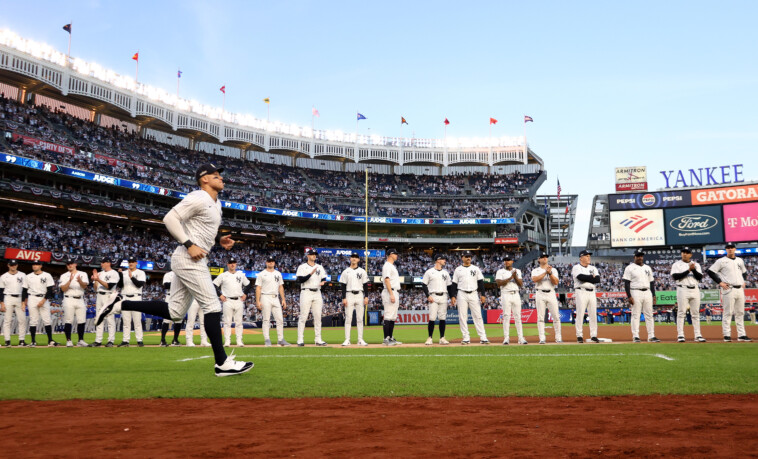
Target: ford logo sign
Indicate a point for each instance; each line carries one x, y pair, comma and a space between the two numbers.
693, 222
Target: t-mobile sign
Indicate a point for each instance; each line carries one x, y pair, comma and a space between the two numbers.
741, 222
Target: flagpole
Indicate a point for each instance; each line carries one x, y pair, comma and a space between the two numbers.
177, 83
223, 103
365, 217
136, 76
268, 111
525, 152
71, 24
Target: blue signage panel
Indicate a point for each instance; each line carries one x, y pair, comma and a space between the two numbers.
653, 200
694, 226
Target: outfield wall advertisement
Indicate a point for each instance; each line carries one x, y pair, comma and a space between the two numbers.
637, 228
741, 222
694, 225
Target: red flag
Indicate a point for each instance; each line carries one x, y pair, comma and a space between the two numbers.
446, 122
136, 56
223, 89
567, 208
402, 120
493, 121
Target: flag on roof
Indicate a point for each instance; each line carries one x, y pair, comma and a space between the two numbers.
402, 120
361, 117
136, 56
222, 89
446, 122
545, 205
67, 28
178, 73
559, 189
493, 121
267, 100
315, 112
528, 119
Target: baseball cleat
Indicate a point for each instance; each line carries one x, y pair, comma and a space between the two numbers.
542, 341
140, 344
444, 341
387, 342
346, 342
727, 339
164, 344
113, 306
653, 339
96, 344
362, 343
484, 341
69, 343
505, 342
267, 343
393, 340
465, 342
559, 341
22, 343
637, 339
321, 343
33, 344
523, 341
240, 344
7, 344
109, 344
283, 343
228, 344
429, 341
594, 339
579, 339
744, 339
82, 343
300, 344
123, 344
231, 367
680, 339
700, 339
52, 344
205, 344
176, 343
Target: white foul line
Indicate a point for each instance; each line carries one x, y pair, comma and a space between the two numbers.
359, 356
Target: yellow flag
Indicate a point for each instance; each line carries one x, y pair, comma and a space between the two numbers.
267, 100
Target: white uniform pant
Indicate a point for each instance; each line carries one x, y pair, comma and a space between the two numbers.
271, 305
127, 318
547, 301
688, 298
37, 313
510, 301
438, 307
466, 302
233, 313
103, 301
354, 303
192, 281
13, 305
390, 308
309, 302
192, 316
733, 303
643, 303
585, 301
74, 308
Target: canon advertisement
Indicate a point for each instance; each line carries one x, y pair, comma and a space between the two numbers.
694, 226
654, 200
637, 228
741, 222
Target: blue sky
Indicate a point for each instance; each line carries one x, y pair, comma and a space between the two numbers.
667, 85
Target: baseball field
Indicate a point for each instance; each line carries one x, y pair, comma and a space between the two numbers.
132, 400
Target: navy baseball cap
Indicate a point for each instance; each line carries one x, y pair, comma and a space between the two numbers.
639, 253
71, 261
12, 262
270, 259
544, 255
508, 258
730, 245
584, 252
686, 250
105, 260
354, 255
132, 260
440, 256
467, 254
205, 169
231, 260
391, 251
38, 262
311, 252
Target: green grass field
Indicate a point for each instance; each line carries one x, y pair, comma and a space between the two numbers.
495, 370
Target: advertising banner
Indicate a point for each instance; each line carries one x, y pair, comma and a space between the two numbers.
506, 240
49, 146
725, 195
528, 316
28, 255
751, 295
345, 252
631, 178
694, 225
741, 222
453, 317
416, 317
653, 200
637, 228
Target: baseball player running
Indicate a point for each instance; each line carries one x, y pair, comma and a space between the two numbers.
354, 284
39, 286
269, 287
468, 284
167, 323
639, 285
585, 278
730, 273
438, 288
13, 294
72, 283
106, 282
390, 297
510, 280
311, 277
545, 279
133, 280
194, 223
687, 274
232, 287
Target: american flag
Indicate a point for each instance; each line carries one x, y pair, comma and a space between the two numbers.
528, 119
559, 189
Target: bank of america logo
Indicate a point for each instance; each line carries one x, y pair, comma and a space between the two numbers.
637, 223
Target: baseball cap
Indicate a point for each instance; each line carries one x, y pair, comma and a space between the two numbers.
71, 261
205, 169
730, 245
354, 255
686, 250
311, 252
231, 260
132, 260
105, 260
544, 255
639, 253
270, 259
440, 256
391, 251
12, 262
584, 252
467, 254
38, 262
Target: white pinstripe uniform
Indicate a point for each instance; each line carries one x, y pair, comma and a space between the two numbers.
195, 315
437, 282
733, 298
354, 280
467, 277
389, 271
269, 282
13, 285
103, 299
544, 299
131, 292
231, 285
640, 278
37, 285
585, 298
168, 278
510, 301
687, 296
310, 299
201, 216
73, 298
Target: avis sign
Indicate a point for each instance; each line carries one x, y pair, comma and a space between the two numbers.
631, 178
28, 255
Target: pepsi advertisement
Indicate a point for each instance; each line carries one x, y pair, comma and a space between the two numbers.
654, 200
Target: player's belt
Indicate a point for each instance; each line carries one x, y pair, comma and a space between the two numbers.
74, 297
547, 291
687, 286
468, 291
355, 292
733, 286
233, 298
11, 294
103, 293
34, 294
437, 293
131, 296
587, 289
510, 291
641, 289
311, 289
